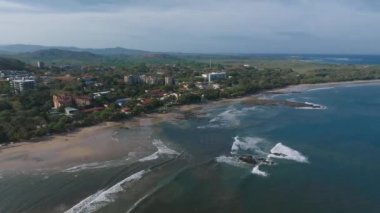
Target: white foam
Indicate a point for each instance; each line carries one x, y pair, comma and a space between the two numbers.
313, 106
104, 197
96, 165
162, 149
114, 136
320, 88
247, 143
287, 153
228, 118
230, 161
256, 170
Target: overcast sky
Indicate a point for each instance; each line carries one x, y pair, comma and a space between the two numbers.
206, 26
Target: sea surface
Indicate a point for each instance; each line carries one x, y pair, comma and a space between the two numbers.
339, 59
326, 58
329, 162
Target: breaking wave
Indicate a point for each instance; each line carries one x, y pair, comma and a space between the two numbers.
247, 144
256, 171
114, 136
162, 149
283, 152
313, 106
104, 197
279, 151
232, 161
228, 118
95, 165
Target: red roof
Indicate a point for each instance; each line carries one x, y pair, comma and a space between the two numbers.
95, 109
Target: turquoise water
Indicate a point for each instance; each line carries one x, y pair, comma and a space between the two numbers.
341, 144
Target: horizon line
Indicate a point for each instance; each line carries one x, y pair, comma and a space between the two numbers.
190, 53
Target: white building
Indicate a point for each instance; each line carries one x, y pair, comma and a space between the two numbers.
214, 76
40, 64
169, 81
20, 85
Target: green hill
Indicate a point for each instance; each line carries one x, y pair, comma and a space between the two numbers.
11, 64
57, 56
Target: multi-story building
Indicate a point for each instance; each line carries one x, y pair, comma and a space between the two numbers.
132, 79
23, 84
146, 79
169, 81
214, 76
40, 64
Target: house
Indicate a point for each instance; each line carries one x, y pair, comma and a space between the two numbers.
100, 94
63, 100
126, 110
70, 111
174, 96
66, 100
201, 85
95, 109
157, 93
123, 101
147, 101
82, 101
215, 86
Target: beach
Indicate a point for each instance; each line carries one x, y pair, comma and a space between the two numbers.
86, 145
97, 143
304, 87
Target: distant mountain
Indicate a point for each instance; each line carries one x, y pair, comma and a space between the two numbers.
59, 56
117, 51
77, 56
22, 48
11, 64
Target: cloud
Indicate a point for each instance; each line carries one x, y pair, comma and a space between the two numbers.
7, 6
324, 26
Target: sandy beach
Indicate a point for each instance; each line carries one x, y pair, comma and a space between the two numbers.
90, 144
98, 143
304, 87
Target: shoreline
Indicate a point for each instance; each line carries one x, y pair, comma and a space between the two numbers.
305, 87
92, 144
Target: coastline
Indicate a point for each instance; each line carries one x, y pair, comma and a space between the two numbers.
96, 143
305, 87
92, 144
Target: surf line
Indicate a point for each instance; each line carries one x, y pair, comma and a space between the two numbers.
156, 189
104, 197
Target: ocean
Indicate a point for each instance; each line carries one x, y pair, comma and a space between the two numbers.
325, 160
338, 59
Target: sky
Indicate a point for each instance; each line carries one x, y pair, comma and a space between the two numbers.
197, 26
